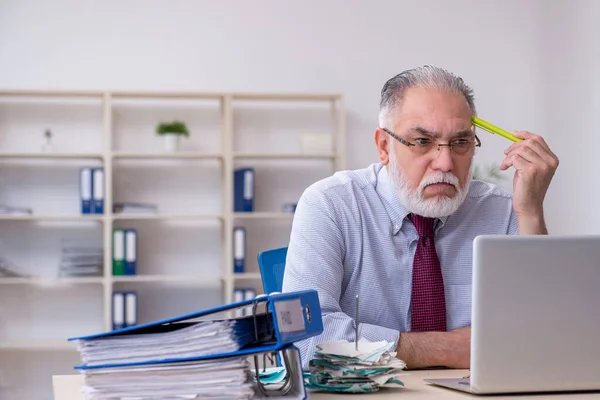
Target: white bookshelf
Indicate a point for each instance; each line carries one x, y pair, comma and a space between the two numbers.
185, 250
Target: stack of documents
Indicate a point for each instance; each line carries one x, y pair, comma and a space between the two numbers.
215, 379
177, 341
8, 270
81, 258
12, 210
339, 367
192, 357
156, 365
135, 208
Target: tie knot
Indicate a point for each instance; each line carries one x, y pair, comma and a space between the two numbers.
424, 225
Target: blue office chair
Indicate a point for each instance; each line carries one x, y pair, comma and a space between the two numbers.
272, 265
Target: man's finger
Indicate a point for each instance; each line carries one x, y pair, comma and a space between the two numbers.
533, 137
528, 154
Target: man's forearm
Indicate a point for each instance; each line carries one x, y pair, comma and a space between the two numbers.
434, 349
532, 224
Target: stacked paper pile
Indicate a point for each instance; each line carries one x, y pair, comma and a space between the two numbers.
211, 379
11, 210
135, 208
81, 258
339, 367
177, 341
158, 365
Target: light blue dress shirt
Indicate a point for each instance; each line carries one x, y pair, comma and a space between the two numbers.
351, 236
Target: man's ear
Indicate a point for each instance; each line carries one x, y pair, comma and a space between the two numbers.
382, 143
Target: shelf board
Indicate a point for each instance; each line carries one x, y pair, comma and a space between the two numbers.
169, 156
247, 276
50, 281
38, 344
263, 215
285, 96
167, 95
45, 156
201, 279
34, 217
167, 217
286, 156
50, 93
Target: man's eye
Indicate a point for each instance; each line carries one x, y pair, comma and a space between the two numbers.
423, 142
460, 142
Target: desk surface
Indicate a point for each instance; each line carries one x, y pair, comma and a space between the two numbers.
67, 387
416, 388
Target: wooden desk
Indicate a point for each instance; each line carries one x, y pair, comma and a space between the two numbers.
66, 387
416, 388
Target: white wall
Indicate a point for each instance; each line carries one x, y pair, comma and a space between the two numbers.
505, 49
572, 92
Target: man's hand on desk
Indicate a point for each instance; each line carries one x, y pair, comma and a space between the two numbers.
436, 349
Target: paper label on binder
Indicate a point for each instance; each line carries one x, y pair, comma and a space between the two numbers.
289, 315
248, 184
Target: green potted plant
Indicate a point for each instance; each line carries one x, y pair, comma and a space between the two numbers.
171, 132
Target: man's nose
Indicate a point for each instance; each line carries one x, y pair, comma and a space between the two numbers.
443, 160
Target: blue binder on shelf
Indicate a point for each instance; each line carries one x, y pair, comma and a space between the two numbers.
98, 191
243, 190
85, 190
118, 310
239, 249
131, 244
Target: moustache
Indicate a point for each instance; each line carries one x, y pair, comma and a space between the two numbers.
440, 177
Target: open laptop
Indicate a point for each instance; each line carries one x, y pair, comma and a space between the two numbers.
535, 323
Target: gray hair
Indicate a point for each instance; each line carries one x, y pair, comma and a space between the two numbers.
427, 76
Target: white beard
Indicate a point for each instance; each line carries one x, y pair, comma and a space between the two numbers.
413, 201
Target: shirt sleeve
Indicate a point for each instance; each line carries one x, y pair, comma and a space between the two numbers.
513, 226
315, 260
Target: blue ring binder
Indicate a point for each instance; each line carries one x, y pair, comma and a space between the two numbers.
287, 318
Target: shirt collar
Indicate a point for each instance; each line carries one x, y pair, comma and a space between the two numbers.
395, 209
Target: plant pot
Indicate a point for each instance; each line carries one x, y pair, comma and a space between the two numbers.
171, 142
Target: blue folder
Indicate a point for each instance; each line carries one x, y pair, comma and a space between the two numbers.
277, 321
243, 190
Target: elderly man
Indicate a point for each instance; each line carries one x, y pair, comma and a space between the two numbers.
399, 233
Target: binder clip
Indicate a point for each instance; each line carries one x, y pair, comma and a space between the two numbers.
293, 383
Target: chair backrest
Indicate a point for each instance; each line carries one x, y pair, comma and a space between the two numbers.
272, 266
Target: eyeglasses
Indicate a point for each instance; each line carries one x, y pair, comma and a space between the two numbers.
460, 147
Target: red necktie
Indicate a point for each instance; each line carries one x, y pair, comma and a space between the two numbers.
428, 304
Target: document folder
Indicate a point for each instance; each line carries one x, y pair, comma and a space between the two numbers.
98, 191
243, 190
210, 379
286, 318
85, 190
239, 249
275, 323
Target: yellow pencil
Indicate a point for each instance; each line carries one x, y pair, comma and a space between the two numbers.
493, 129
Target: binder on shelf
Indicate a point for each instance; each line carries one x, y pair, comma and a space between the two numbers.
276, 322
118, 310
239, 249
85, 190
130, 309
248, 295
130, 251
243, 190
238, 297
98, 191
118, 251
